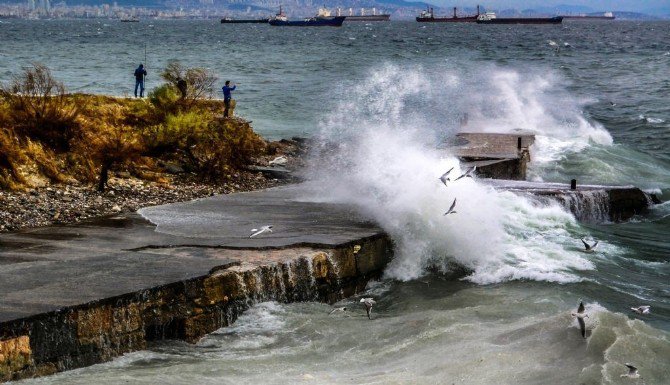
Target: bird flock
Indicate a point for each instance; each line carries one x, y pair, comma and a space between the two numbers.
580, 315
444, 178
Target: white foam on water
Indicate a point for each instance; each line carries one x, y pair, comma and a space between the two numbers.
379, 152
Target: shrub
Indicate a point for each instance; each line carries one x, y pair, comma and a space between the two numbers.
11, 157
108, 142
225, 146
165, 99
39, 107
198, 82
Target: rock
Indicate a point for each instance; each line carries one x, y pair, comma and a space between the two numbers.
116, 208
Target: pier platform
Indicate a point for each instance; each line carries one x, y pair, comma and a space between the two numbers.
588, 203
72, 296
496, 155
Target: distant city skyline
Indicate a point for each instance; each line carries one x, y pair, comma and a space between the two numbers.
598, 5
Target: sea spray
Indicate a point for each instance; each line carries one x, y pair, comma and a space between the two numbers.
379, 151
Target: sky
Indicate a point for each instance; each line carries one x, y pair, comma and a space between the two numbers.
598, 5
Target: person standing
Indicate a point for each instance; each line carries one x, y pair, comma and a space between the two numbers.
227, 97
140, 73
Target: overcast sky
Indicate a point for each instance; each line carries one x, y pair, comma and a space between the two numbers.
600, 5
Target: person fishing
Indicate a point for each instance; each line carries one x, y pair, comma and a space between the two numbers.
140, 73
227, 97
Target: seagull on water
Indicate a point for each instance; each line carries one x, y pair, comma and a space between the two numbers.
467, 173
632, 372
580, 318
644, 309
260, 231
589, 248
451, 209
445, 177
368, 302
338, 310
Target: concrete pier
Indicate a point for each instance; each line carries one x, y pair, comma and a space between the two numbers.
498, 156
588, 203
72, 296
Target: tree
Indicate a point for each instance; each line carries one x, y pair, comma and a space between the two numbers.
192, 83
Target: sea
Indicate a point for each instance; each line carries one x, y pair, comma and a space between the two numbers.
483, 296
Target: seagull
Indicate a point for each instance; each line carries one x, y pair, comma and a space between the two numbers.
368, 302
444, 178
644, 309
278, 161
580, 318
451, 209
589, 248
338, 310
468, 173
632, 372
260, 231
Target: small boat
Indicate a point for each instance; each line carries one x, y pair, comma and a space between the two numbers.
228, 20
491, 18
133, 19
428, 16
322, 19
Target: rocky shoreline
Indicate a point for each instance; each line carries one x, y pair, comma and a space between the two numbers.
66, 204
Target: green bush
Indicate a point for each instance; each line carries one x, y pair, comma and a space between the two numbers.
165, 99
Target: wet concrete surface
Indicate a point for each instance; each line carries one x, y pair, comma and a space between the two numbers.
46, 269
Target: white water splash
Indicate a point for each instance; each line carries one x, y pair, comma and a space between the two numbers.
379, 153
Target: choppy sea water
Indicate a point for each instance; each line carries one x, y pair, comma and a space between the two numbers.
387, 93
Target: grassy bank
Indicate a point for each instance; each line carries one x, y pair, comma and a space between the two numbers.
48, 136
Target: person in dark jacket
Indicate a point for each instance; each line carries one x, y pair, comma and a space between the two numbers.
227, 97
140, 73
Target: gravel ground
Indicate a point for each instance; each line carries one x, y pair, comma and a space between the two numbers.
62, 204
71, 204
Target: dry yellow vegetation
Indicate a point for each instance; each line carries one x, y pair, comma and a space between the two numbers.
49, 136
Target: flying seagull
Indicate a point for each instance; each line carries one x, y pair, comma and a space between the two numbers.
451, 209
445, 177
368, 302
632, 372
644, 309
260, 231
580, 318
589, 248
467, 173
338, 310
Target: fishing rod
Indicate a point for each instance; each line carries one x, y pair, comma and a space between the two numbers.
144, 78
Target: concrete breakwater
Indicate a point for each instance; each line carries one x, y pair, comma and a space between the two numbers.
588, 203
74, 296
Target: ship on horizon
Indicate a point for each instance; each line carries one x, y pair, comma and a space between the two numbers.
604, 16
491, 18
322, 19
428, 16
363, 17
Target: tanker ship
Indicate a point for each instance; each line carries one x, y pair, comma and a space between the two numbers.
604, 16
490, 18
428, 16
363, 17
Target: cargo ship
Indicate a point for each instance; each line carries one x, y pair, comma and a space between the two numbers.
228, 20
322, 19
491, 18
365, 17
604, 16
428, 16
